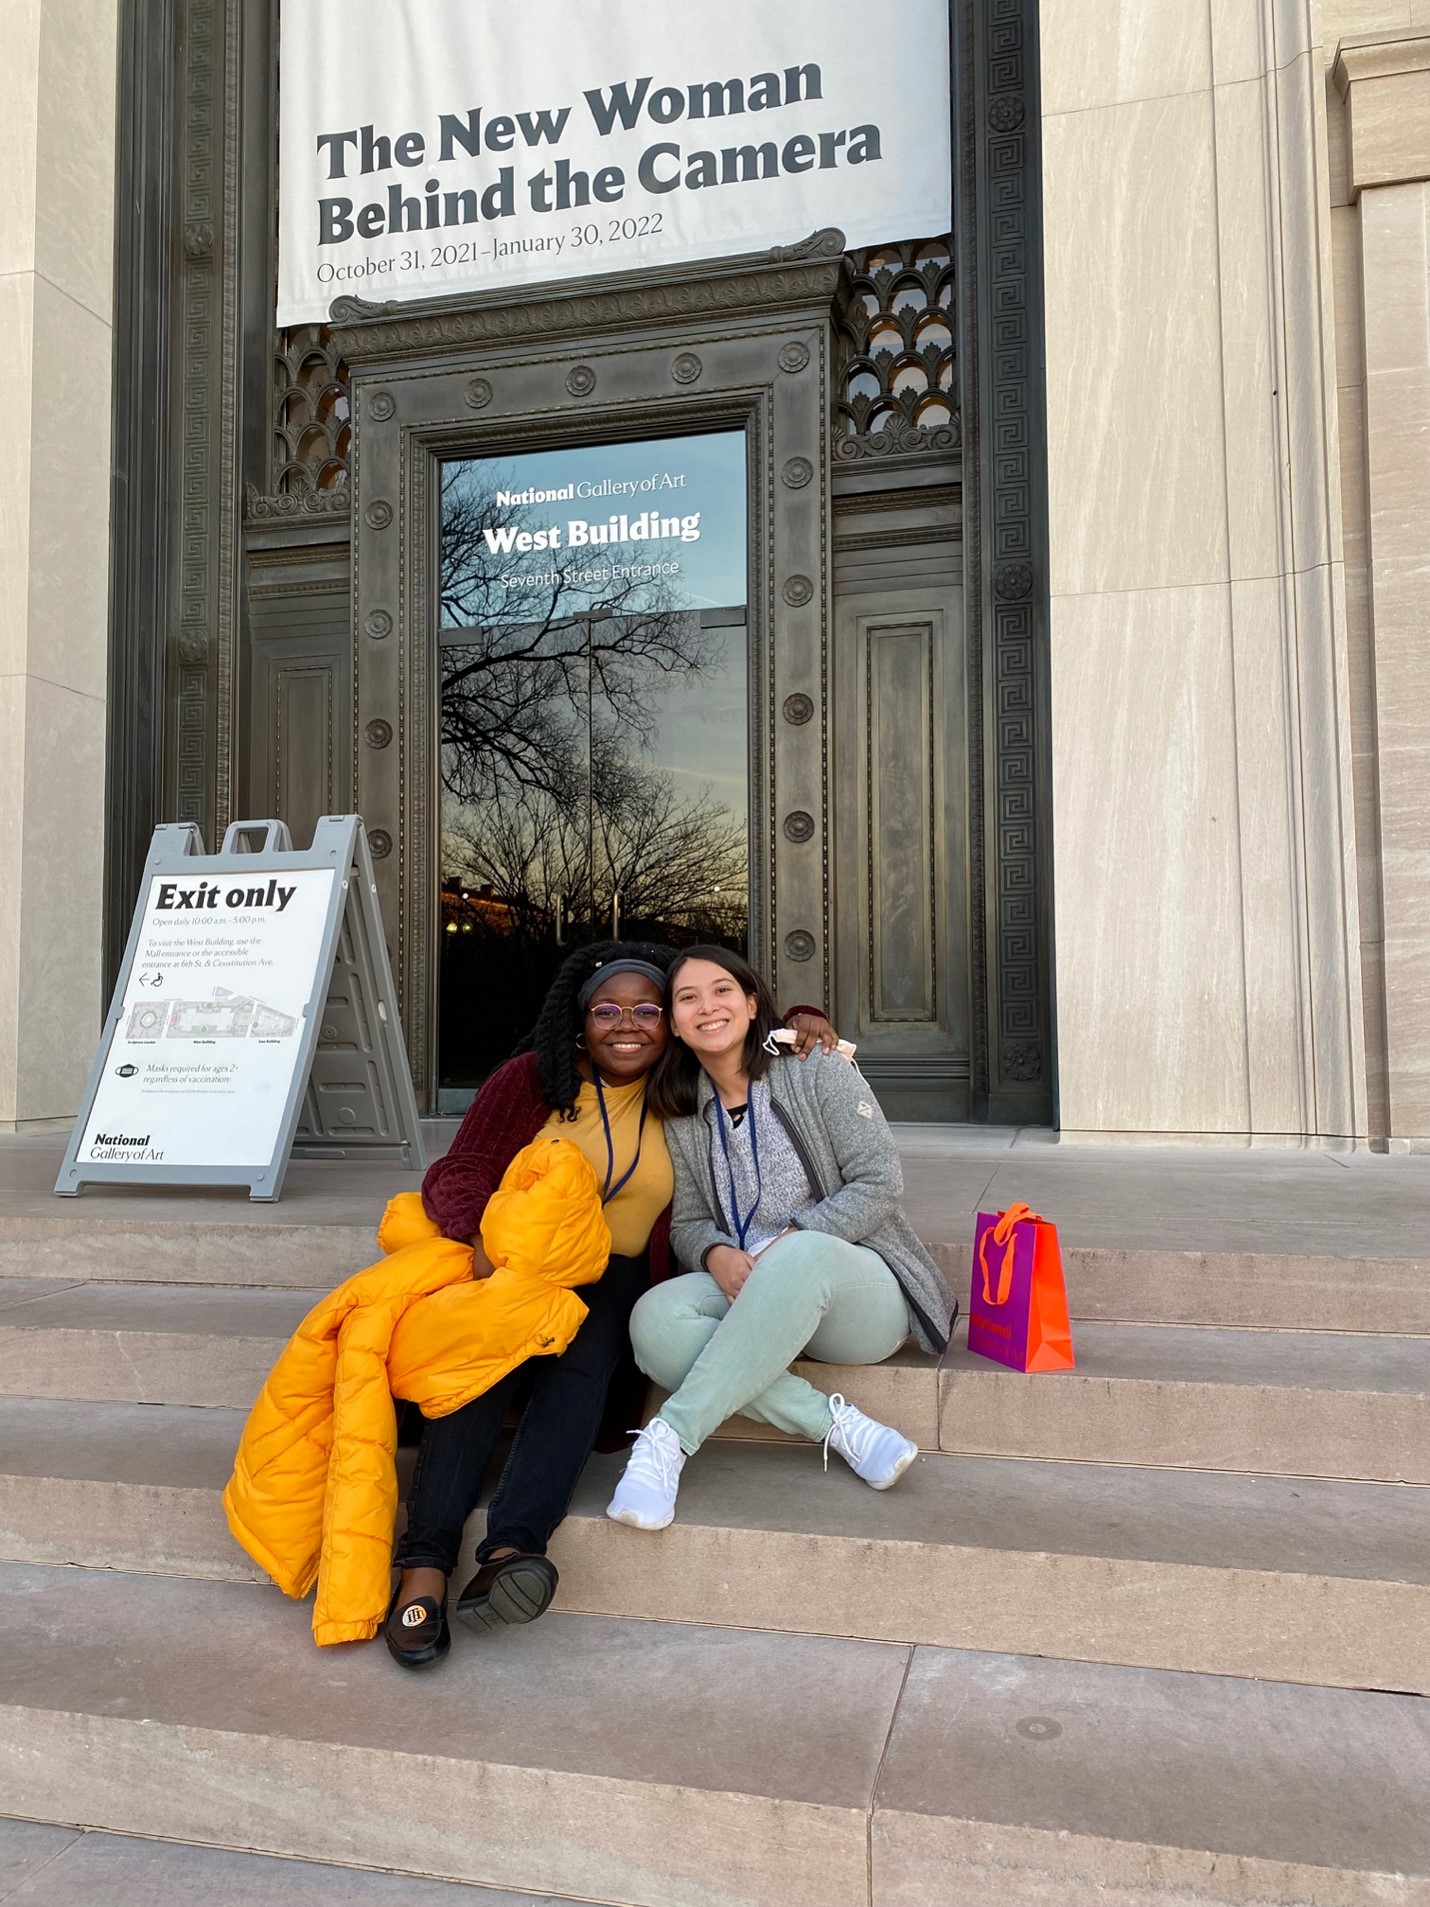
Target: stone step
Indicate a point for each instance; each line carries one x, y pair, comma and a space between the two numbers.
44, 1866
213, 1346
647, 1764
144, 1343
1287, 1403
624, 1761
1293, 1580
1276, 1291
1288, 1579
1011, 1782
1281, 1403
1284, 1403
242, 1250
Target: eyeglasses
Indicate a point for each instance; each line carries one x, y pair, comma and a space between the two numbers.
645, 1014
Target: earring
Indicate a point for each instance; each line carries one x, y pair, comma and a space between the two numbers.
580, 1042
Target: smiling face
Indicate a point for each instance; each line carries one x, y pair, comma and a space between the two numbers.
624, 1052
710, 1010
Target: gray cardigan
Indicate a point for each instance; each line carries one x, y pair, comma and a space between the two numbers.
834, 1122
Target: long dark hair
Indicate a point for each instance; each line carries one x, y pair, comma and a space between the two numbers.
675, 1078
553, 1038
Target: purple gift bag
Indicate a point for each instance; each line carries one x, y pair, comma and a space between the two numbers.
1018, 1306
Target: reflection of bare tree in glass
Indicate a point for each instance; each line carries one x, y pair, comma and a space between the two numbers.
557, 691
679, 862
514, 697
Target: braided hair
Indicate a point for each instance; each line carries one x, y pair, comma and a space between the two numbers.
553, 1038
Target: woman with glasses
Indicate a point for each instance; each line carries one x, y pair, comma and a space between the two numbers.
582, 1077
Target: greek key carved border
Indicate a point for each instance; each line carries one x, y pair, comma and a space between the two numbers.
1004, 548
203, 674
1010, 426
191, 662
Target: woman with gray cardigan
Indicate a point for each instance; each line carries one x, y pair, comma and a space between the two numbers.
787, 1190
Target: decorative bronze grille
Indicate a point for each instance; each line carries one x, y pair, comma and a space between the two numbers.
897, 390
312, 431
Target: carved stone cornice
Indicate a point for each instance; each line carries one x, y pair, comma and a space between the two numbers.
813, 272
300, 503
897, 440
1380, 56
937, 533
1384, 79
927, 497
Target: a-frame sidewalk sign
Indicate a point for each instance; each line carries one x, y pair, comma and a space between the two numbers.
254, 1018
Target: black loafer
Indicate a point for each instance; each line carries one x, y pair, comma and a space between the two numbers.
416, 1631
513, 1589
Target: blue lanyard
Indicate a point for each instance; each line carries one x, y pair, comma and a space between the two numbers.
744, 1221
610, 1190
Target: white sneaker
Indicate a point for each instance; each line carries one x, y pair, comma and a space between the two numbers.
873, 1451
645, 1495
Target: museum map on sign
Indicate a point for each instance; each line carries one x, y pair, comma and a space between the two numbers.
227, 1016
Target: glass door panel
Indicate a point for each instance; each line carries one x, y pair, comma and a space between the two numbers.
593, 721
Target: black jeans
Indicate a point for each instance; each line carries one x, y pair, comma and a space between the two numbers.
554, 1437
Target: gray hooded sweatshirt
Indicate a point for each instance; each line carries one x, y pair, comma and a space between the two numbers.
835, 1125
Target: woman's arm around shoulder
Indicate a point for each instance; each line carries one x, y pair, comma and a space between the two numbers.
506, 1114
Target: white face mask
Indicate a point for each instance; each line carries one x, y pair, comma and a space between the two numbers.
786, 1036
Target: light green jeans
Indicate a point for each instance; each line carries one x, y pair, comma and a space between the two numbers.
808, 1295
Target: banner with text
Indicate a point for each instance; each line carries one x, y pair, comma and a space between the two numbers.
429, 147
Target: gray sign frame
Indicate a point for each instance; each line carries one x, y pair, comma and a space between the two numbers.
351, 1093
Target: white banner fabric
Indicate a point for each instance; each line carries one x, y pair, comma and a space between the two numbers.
429, 147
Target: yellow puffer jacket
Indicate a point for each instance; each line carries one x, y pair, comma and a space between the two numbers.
313, 1495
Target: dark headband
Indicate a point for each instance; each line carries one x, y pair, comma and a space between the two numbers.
609, 968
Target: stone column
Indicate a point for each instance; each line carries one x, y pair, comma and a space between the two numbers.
1208, 974
1385, 82
57, 116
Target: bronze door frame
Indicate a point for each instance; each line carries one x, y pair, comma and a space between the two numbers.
743, 344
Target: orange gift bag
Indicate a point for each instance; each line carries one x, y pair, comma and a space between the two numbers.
1018, 1308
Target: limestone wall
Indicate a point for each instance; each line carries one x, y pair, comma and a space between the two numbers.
57, 91
1207, 893
1379, 113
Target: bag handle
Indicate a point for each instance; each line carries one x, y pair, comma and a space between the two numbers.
1003, 1233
